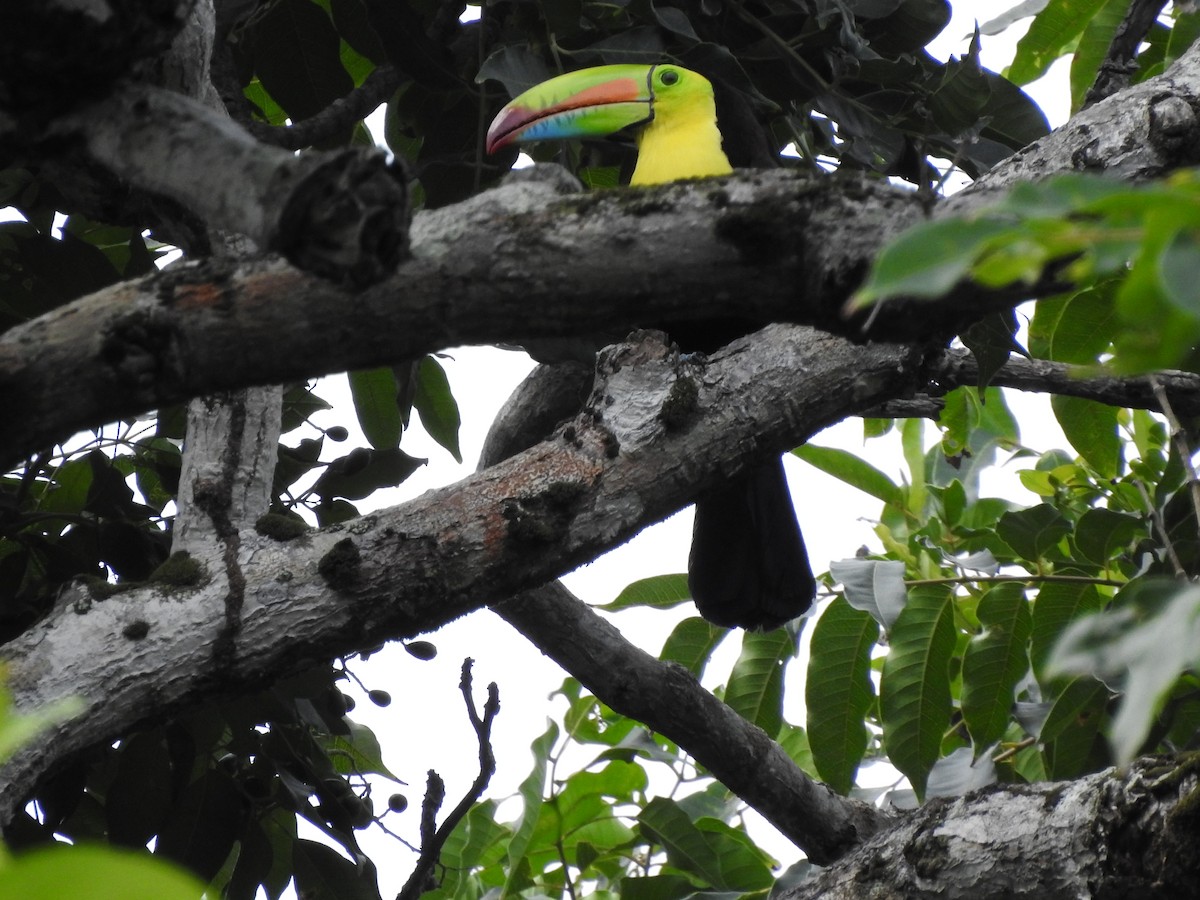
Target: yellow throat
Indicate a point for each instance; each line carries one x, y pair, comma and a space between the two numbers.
679, 143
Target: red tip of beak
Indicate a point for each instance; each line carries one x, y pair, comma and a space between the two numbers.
504, 127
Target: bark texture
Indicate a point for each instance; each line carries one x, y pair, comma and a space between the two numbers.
1121, 833
634, 456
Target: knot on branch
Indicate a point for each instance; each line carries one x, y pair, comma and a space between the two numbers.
143, 352
340, 565
542, 517
1173, 127
347, 217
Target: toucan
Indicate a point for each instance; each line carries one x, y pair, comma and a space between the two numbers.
748, 566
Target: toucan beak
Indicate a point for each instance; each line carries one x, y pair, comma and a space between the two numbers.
586, 103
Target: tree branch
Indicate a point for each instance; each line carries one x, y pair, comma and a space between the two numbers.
341, 215
337, 118
775, 246
432, 841
958, 368
147, 651
664, 697
492, 270
668, 699
1130, 830
1120, 62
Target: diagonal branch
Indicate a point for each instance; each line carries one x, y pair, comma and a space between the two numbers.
149, 650
1120, 62
668, 699
664, 697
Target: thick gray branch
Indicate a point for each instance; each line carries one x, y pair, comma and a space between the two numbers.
412, 568
500, 268
664, 697
342, 215
511, 266
1120, 833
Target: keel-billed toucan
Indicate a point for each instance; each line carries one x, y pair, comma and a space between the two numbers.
748, 566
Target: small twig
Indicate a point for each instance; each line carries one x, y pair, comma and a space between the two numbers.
562, 858
379, 824
1116, 71
1179, 438
433, 838
1012, 751
337, 116
958, 367
1017, 579
1161, 525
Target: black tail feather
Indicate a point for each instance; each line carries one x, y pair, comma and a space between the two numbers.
748, 567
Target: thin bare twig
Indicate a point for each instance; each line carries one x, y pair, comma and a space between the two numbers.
1179, 438
337, 116
1016, 579
433, 838
1160, 524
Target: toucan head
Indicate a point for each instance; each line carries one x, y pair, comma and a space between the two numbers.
597, 102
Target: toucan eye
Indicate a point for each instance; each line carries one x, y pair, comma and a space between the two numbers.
669, 77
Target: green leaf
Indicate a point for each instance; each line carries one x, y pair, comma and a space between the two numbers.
378, 469
1058, 605
1078, 695
914, 693
656, 592
1101, 535
839, 692
374, 395
1074, 329
142, 792
201, 829
297, 57
657, 887
755, 688
691, 643
724, 859
1091, 428
354, 26
994, 662
873, 586
68, 492
356, 753
1177, 268
1052, 34
853, 470
960, 773
97, 873
436, 406
1147, 644
1034, 531
516, 67
991, 341
324, 874
532, 790
931, 258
